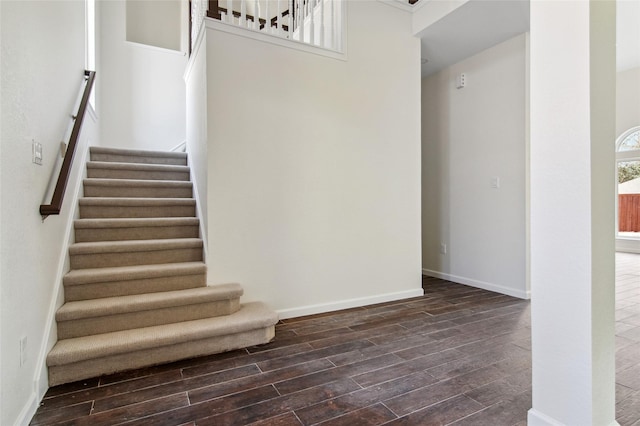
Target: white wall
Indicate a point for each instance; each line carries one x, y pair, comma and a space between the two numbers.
470, 136
155, 23
141, 92
314, 166
627, 100
42, 73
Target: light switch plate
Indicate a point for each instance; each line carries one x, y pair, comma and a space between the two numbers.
36, 150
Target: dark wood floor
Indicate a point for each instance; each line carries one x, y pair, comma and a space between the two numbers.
458, 355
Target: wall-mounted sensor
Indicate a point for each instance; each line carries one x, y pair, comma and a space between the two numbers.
461, 80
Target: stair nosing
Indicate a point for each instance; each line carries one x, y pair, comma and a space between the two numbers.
108, 344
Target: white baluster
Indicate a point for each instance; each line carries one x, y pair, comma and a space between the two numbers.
267, 18
230, 11
322, 43
302, 16
243, 13
312, 16
333, 25
279, 19
289, 19
256, 15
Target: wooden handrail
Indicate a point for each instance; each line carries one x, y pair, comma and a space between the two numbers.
65, 170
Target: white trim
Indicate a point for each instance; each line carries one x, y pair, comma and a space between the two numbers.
194, 53
199, 215
536, 418
625, 135
348, 303
41, 383
156, 48
628, 245
401, 4
215, 24
181, 147
28, 411
478, 284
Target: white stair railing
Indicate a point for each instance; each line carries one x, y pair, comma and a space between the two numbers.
313, 22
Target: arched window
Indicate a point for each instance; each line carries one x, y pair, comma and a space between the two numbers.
628, 188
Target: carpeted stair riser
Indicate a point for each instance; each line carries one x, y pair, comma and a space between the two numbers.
106, 170
89, 317
106, 259
88, 230
136, 188
135, 286
90, 356
136, 208
86, 284
143, 157
128, 321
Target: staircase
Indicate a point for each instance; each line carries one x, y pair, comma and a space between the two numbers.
136, 294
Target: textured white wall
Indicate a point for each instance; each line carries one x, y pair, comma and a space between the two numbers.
469, 136
141, 92
42, 69
314, 167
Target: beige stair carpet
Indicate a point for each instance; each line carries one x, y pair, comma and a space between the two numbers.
136, 294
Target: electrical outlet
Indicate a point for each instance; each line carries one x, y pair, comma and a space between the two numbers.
443, 248
36, 153
23, 350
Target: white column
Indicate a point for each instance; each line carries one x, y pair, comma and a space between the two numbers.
572, 104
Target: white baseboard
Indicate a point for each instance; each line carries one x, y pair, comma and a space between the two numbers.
536, 418
347, 304
478, 284
29, 409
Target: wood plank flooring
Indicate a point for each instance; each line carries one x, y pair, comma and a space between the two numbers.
458, 356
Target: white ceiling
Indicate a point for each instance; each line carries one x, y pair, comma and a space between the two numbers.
480, 24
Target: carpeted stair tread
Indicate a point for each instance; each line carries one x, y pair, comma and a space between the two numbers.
136, 272
145, 302
133, 245
253, 315
104, 169
137, 156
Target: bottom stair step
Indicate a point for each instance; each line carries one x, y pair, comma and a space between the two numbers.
97, 316
91, 356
